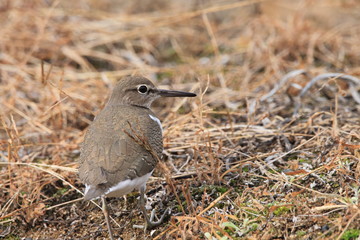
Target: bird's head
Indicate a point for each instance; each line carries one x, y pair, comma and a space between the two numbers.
140, 91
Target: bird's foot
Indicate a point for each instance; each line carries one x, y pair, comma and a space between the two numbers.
150, 223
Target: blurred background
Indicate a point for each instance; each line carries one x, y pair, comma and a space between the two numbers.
230, 154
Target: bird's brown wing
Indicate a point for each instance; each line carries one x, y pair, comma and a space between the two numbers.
116, 147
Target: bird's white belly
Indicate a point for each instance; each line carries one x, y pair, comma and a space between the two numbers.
124, 187
127, 186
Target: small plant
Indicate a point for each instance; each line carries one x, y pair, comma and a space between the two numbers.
281, 210
351, 234
300, 233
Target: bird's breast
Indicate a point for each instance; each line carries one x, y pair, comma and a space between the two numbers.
157, 121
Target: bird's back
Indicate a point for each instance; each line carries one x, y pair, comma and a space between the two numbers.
121, 147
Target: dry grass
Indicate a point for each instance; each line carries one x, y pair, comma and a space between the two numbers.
239, 164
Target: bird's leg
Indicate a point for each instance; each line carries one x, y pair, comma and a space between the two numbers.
125, 202
106, 214
149, 221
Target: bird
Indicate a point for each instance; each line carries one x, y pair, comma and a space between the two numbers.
123, 144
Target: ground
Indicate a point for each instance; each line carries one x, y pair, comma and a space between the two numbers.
269, 149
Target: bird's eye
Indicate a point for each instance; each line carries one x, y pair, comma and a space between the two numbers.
142, 89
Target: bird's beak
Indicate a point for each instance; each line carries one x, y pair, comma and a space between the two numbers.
172, 93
